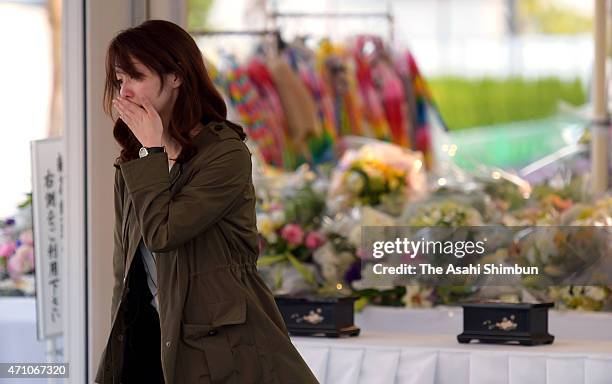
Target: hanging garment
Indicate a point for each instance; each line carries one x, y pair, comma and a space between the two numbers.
262, 79
254, 113
303, 63
298, 105
336, 75
420, 100
221, 86
387, 84
374, 110
394, 101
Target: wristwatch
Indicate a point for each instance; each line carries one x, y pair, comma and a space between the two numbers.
144, 151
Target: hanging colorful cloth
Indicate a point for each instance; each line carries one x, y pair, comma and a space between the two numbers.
219, 82
374, 110
254, 112
389, 86
333, 65
301, 60
420, 100
299, 108
260, 76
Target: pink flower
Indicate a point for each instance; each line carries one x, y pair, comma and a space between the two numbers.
26, 252
26, 237
22, 262
15, 268
275, 206
7, 249
314, 240
293, 234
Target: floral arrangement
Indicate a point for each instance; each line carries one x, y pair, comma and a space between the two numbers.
585, 298
445, 213
288, 220
315, 247
340, 261
17, 253
379, 175
598, 214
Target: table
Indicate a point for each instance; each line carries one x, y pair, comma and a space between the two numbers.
404, 358
410, 346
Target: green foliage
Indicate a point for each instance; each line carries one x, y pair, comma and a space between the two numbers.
391, 297
466, 103
305, 207
197, 13
27, 201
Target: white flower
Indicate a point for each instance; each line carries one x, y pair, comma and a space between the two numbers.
354, 182
595, 293
354, 236
320, 186
416, 297
324, 255
278, 217
372, 217
330, 272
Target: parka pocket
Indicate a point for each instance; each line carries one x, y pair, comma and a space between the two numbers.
227, 357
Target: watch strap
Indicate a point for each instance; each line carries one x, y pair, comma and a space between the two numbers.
155, 149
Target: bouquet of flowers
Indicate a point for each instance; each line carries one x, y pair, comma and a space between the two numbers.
443, 213
584, 298
377, 174
17, 252
573, 251
599, 213
288, 221
340, 259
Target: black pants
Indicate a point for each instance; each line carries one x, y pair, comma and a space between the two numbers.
142, 353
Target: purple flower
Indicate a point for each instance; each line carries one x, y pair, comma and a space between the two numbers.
354, 272
314, 239
293, 234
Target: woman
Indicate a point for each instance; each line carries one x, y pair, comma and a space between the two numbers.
188, 305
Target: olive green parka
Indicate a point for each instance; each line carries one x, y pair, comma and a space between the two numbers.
219, 322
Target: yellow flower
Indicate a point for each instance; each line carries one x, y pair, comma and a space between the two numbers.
266, 226
394, 184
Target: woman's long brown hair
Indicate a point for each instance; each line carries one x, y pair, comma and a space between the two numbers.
165, 48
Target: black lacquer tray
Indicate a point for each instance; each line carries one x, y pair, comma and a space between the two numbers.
491, 322
318, 316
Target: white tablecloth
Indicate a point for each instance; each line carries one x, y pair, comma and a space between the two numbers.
387, 358
400, 345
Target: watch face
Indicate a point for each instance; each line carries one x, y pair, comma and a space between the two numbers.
143, 152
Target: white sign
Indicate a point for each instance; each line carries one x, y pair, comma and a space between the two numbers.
48, 218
